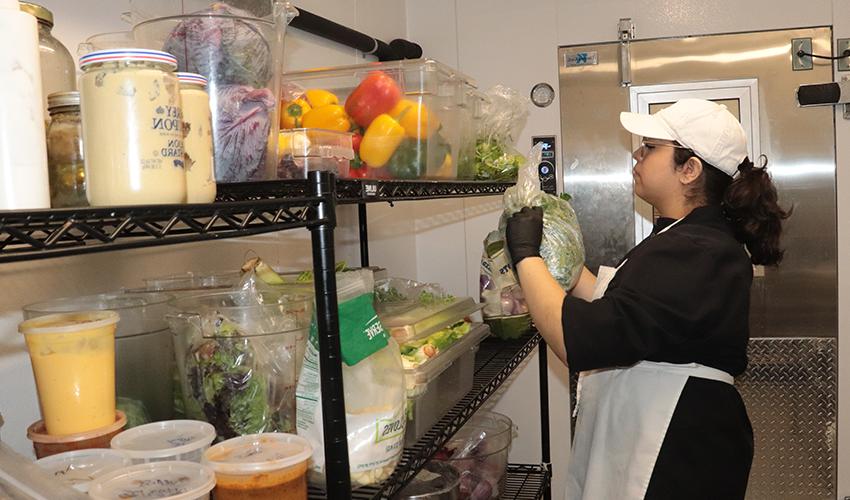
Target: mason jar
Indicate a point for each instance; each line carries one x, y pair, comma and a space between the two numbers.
65, 164
132, 127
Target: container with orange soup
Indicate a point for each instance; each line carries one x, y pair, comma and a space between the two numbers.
73, 361
268, 466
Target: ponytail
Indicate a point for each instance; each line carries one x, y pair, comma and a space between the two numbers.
750, 203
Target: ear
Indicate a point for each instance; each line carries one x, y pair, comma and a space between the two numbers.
690, 171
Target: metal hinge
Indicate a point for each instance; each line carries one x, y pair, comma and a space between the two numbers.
625, 33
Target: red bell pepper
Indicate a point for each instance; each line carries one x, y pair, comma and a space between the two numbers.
378, 93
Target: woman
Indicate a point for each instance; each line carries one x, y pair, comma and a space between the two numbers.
659, 339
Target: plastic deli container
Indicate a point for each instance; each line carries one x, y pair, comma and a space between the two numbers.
162, 480
479, 453
269, 466
143, 348
407, 113
192, 283
73, 360
46, 445
184, 440
303, 150
421, 321
436, 481
79, 468
437, 385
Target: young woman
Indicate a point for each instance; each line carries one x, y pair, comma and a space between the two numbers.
659, 339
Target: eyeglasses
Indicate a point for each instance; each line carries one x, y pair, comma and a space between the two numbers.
647, 146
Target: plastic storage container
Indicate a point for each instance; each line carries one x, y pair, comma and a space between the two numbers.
479, 452
231, 336
105, 41
160, 480
436, 481
438, 384
46, 445
270, 466
193, 283
79, 468
405, 111
421, 321
21, 479
144, 349
303, 150
239, 50
185, 440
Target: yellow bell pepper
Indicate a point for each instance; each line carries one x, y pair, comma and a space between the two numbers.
318, 98
292, 113
445, 170
381, 140
414, 117
330, 117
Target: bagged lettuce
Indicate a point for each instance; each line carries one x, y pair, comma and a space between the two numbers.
562, 248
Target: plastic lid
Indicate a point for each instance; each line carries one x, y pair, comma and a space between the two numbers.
68, 322
266, 452
59, 99
422, 321
164, 439
192, 78
37, 432
128, 54
432, 368
168, 480
40, 12
78, 468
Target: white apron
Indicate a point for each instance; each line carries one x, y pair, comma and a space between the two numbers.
623, 415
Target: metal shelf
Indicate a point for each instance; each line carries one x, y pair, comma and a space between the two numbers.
38, 234
526, 482
350, 191
495, 361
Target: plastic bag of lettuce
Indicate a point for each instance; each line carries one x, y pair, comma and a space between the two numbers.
562, 248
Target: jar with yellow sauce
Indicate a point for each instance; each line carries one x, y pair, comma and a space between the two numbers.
197, 138
132, 127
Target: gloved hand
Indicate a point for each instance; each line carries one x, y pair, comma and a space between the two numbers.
524, 234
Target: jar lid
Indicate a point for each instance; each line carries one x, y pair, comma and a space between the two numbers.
128, 54
78, 468
60, 99
168, 438
192, 78
69, 323
38, 11
266, 452
173, 480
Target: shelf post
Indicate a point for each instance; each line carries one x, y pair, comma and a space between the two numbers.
542, 356
364, 234
338, 485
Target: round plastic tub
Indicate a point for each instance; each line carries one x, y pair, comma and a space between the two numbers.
269, 466
79, 468
479, 452
46, 445
184, 440
143, 346
162, 480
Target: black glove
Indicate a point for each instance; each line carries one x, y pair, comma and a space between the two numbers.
524, 234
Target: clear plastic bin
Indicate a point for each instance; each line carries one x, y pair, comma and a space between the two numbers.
405, 111
422, 321
437, 385
167, 440
303, 150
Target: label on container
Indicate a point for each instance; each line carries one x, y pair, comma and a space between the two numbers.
361, 333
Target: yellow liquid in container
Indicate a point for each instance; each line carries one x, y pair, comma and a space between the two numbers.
198, 143
73, 361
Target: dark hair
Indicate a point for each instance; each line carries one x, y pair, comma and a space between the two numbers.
749, 201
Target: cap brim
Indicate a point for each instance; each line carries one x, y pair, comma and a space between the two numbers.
646, 126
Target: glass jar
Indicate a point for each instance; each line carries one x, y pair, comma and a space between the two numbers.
65, 164
197, 138
132, 125
58, 72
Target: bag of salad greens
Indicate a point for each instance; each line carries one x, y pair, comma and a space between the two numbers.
373, 381
562, 248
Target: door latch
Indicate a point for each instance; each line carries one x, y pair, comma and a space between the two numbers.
625, 33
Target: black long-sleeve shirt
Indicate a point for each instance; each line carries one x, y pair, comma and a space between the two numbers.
682, 296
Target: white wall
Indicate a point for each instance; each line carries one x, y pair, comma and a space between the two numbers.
515, 43
73, 276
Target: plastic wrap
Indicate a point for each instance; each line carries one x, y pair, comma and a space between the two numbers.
503, 117
562, 248
374, 387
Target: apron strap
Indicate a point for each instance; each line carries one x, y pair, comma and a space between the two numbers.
690, 369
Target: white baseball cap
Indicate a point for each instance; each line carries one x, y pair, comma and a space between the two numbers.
706, 128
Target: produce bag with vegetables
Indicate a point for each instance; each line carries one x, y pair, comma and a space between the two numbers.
503, 118
373, 379
562, 248
505, 310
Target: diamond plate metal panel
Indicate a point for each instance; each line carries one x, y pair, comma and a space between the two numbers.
791, 392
